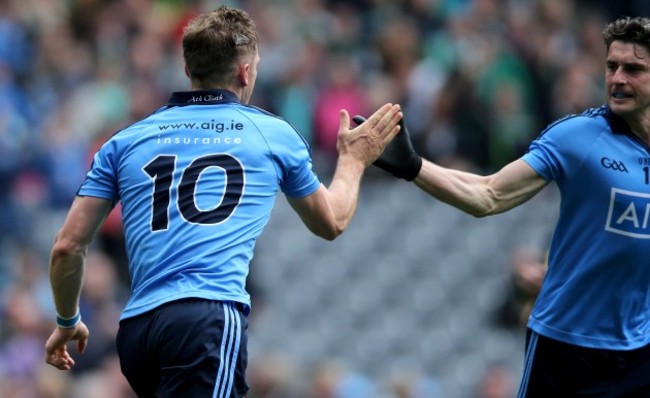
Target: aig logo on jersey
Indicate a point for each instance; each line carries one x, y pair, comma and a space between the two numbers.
629, 214
613, 164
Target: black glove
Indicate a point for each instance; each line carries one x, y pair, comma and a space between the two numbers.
399, 157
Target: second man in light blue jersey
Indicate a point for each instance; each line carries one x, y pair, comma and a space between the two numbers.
589, 331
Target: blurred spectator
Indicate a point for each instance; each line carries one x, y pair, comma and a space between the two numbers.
342, 90
101, 307
528, 268
21, 354
496, 382
106, 381
457, 132
272, 376
332, 379
413, 384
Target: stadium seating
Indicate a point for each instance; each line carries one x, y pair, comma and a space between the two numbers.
412, 281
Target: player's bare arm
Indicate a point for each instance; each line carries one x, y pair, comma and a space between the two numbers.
67, 265
481, 195
328, 211
474, 194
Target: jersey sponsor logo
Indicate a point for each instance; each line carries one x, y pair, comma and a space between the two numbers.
198, 140
613, 164
629, 214
212, 125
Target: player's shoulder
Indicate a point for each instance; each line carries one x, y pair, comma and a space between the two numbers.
270, 124
260, 115
590, 121
591, 117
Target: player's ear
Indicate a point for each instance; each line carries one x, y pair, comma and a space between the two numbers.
243, 74
187, 72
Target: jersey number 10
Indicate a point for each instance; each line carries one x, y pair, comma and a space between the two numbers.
161, 170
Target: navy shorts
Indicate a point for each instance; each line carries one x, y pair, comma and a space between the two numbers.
556, 369
186, 348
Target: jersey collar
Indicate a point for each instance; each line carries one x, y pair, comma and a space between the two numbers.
202, 97
619, 126
616, 123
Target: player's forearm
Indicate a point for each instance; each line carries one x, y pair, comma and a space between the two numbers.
344, 191
67, 265
465, 191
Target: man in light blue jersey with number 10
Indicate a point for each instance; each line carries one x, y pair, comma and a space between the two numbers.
197, 180
589, 331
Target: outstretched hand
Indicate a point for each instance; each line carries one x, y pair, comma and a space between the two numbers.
367, 141
56, 352
399, 158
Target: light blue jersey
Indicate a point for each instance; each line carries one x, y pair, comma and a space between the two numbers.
597, 290
198, 180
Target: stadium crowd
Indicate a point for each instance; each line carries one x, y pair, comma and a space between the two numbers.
478, 79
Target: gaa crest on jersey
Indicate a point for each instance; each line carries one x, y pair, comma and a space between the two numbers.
629, 213
613, 164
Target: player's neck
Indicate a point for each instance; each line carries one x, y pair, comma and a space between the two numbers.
235, 90
640, 126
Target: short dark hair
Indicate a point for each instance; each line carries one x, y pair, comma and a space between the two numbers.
630, 30
214, 41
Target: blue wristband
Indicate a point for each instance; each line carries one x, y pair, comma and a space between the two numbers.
68, 323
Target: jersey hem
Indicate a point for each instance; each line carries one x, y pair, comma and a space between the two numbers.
585, 341
130, 312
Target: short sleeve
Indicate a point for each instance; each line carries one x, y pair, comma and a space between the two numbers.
101, 179
562, 147
292, 156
